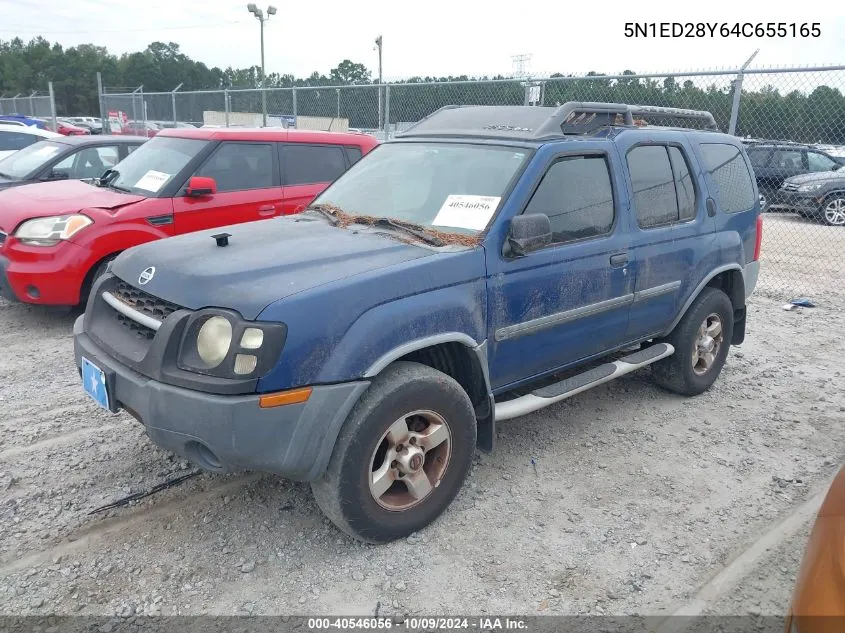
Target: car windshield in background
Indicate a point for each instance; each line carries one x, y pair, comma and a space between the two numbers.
445, 186
22, 163
154, 164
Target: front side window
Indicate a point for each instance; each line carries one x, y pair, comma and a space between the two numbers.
310, 164
577, 195
734, 188
455, 187
240, 166
90, 162
154, 164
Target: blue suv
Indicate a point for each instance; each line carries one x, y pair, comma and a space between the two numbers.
486, 263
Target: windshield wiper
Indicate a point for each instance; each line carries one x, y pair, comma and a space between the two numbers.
411, 229
7, 176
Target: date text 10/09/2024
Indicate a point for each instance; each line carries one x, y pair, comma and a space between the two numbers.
480, 624
723, 29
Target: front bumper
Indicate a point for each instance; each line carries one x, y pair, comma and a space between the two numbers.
805, 202
51, 275
226, 433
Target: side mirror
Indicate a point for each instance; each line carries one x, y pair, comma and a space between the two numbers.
200, 186
529, 232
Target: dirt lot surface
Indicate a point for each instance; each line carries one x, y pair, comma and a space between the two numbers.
625, 499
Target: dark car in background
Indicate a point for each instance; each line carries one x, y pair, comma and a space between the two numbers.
775, 161
66, 158
819, 196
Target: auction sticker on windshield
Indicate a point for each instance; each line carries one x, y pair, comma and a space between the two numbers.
467, 211
153, 180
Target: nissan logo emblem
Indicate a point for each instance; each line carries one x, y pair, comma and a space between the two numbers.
146, 275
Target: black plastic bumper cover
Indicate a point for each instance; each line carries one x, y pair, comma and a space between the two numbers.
295, 441
5, 288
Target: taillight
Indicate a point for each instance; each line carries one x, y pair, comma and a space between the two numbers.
759, 243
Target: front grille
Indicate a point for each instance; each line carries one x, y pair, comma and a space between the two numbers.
790, 186
144, 303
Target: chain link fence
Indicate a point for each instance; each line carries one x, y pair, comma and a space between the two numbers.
793, 119
35, 104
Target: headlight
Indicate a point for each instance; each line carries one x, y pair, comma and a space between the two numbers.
220, 343
809, 187
214, 340
52, 230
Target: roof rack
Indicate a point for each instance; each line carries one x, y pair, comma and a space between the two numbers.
542, 122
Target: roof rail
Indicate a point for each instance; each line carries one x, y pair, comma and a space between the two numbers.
580, 117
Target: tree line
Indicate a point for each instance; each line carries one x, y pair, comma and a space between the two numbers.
810, 112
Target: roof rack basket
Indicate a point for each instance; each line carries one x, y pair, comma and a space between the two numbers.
576, 117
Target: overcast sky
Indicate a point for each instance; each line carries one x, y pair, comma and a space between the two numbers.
434, 37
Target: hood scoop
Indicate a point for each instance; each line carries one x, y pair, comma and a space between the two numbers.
222, 239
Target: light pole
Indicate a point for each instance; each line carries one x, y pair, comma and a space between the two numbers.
259, 15
337, 90
378, 46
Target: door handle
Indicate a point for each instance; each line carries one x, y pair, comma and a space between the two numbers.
619, 260
267, 209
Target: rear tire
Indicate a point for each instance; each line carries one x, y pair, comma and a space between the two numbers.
387, 478
701, 340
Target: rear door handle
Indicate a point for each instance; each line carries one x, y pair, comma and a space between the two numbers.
619, 260
267, 209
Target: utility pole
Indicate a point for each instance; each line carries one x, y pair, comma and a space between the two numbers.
378, 46
259, 15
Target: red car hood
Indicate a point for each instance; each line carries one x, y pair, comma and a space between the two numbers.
56, 198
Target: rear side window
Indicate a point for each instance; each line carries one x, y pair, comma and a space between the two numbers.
307, 164
353, 154
664, 192
577, 196
758, 157
240, 166
787, 159
727, 168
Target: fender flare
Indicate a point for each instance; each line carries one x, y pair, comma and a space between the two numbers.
694, 295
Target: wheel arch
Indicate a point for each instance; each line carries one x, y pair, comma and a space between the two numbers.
457, 355
729, 279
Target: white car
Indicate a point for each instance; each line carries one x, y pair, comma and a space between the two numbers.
13, 138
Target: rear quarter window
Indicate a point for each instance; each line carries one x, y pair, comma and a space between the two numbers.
729, 172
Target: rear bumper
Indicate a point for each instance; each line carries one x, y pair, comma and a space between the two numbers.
227, 433
750, 273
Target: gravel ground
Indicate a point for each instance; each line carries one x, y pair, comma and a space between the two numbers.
624, 499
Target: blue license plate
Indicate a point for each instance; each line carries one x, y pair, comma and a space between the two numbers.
94, 383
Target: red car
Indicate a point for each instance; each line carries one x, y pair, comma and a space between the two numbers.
66, 128
55, 237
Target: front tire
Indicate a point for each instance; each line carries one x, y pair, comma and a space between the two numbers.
402, 455
701, 340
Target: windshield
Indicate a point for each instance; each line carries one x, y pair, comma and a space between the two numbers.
453, 187
154, 164
30, 159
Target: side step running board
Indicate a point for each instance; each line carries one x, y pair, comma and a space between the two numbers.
564, 389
